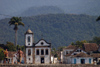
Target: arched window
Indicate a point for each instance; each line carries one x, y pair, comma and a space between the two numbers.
29, 39
42, 52
29, 51
37, 52
46, 52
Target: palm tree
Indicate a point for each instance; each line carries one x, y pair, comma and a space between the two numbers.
98, 18
16, 21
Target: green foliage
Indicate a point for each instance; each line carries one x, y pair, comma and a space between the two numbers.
16, 21
21, 47
59, 29
54, 52
61, 48
10, 46
79, 43
95, 40
1, 54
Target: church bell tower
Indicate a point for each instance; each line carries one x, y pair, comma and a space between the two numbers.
28, 46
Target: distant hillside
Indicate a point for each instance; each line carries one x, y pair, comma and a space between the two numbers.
34, 7
41, 10
59, 29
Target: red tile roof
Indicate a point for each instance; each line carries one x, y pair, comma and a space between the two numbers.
11, 53
90, 47
70, 47
96, 55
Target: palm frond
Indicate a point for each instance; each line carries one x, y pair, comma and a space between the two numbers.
16, 20
21, 23
98, 18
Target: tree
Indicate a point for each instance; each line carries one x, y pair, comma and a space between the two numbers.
61, 48
95, 40
1, 54
10, 46
79, 43
16, 21
98, 18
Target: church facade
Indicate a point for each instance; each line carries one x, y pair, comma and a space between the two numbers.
37, 53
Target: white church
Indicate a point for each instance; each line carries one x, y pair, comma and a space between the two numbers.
37, 53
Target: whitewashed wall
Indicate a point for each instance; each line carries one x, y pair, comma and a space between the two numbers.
31, 56
52, 59
79, 62
46, 57
31, 40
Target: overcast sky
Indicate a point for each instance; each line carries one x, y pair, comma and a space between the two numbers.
69, 6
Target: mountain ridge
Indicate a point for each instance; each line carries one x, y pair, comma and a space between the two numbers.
59, 29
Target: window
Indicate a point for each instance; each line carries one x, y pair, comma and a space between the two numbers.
37, 52
89, 61
46, 52
66, 52
29, 58
42, 43
74, 61
28, 38
78, 50
42, 52
29, 52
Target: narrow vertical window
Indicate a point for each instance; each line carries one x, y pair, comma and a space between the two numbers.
37, 52
42, 52
29, 52
46, 52
89, 61
28, 38
66, 52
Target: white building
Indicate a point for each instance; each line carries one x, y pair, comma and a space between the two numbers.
76, 55
37, 53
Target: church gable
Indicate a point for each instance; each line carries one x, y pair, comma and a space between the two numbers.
42, 42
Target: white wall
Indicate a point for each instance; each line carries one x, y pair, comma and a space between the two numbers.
78, 60
69, 50
52, 59
31, 40
31, 56
64, 55
46, 57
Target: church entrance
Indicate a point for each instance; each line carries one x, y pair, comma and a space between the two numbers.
42, 59
82, 61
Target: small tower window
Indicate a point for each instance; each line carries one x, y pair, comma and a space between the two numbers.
42, 52
46, 52
29, 39
29, 52
37, 52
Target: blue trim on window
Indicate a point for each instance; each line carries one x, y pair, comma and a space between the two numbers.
89, 61
74, 61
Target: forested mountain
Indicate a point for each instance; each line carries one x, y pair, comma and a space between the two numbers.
59, 29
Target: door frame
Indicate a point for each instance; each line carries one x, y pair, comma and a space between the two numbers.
41, 60
82, 61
